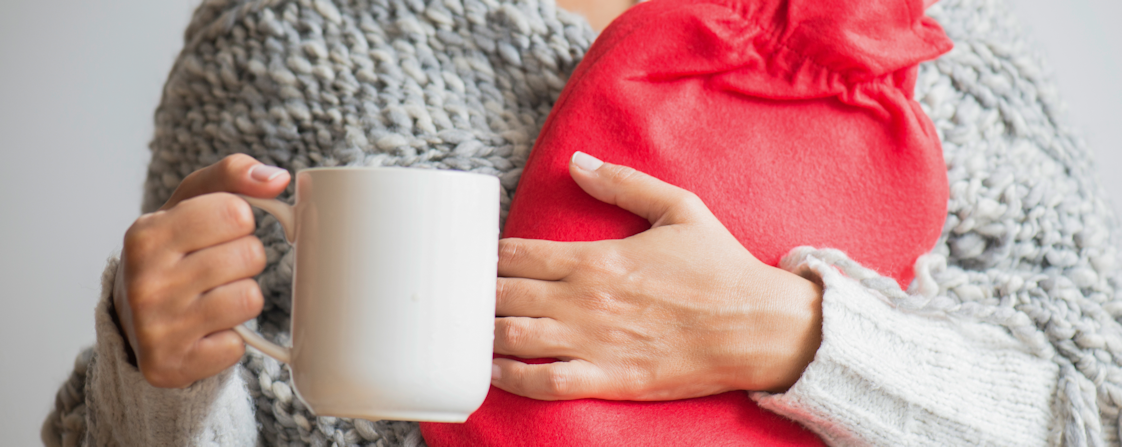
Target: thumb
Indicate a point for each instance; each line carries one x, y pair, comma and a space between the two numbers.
237, 174
650, 198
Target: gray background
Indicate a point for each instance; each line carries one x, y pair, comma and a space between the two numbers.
79, 80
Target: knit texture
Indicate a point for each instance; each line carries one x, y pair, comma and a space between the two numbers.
441, 84
99, 405
1029, 243
893, 380
466, 84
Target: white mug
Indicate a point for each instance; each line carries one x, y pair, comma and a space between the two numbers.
393, 291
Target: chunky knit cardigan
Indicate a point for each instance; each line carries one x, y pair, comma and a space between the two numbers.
1008, 335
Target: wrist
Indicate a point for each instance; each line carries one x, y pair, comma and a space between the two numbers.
784, 330
806, 328
116, 316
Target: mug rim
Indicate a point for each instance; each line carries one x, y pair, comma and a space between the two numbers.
394, 169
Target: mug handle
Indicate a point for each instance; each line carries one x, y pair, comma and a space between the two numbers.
284, 214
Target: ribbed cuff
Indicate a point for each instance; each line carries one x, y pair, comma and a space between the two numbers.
886, 377
122, 408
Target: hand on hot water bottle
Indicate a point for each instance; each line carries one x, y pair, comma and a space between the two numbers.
678, 311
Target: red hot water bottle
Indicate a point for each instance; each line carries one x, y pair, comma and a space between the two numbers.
793, 120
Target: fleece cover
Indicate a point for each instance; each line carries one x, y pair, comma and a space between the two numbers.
793, 120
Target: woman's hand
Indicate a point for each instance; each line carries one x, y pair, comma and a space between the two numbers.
681, 310
186, 273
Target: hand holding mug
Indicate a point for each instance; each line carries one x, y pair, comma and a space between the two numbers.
186, 273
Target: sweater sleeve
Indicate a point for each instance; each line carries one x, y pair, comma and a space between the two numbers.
883, 376
107, 401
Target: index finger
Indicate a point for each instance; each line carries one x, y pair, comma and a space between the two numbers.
206, 221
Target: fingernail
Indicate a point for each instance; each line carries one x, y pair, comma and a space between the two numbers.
264, 173
585, 161
496, 373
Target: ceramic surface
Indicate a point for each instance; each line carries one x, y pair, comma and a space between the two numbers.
393, 291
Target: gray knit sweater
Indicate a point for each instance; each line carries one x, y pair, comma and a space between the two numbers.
1008, 336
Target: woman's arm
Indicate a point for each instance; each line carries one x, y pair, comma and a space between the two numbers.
1024, 335
458, 84
682, 310
890, 374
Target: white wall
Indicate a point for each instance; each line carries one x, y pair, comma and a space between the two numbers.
79, 80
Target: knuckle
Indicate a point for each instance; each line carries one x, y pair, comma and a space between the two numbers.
502, 288
233, 164
237, 213
143, 237
518, 292
260, 257
634, 381
509, 250
689, 200
599, 300
508, 292
150, 339
609, 263
558, 383
250, 300
229, 348
146, 220
617, 337
622, 174
144, 294
216, 177
189, 181
512, 333
251, 253
234, 354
